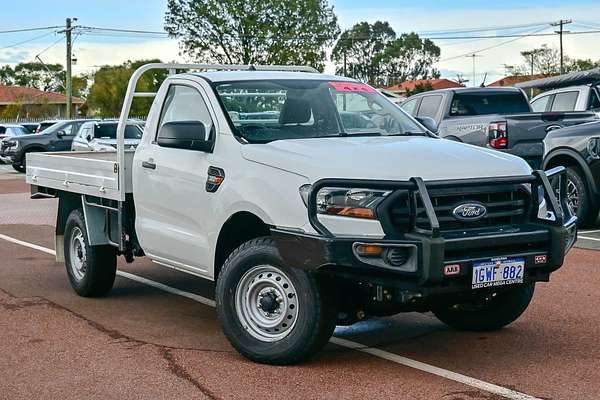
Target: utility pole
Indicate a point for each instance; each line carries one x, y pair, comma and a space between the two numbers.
560, 32
473, 57
69, 79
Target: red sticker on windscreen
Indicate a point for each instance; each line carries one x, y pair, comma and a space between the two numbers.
351, 87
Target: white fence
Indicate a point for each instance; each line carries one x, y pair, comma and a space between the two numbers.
37, 120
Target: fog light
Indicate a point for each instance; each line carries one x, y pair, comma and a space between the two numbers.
369, 250
397, 256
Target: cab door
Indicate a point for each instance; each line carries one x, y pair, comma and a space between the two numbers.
170, 184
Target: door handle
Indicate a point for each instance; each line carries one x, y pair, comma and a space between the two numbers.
148, 164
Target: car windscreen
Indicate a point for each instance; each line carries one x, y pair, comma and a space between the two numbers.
262, 111
469, 104
13, 131
109, 131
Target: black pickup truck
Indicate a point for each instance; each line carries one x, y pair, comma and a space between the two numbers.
58, 137
578, 149
497, 118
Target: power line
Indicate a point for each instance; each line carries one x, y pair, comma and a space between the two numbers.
483, 29
26, 41
491, 47
30, 29
49, 47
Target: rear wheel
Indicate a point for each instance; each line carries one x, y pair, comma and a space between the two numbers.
271, 313
91, 269
489, 313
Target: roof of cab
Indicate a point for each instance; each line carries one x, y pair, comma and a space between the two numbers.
232, 76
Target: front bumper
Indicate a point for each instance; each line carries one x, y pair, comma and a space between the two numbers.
7, 156
542, 243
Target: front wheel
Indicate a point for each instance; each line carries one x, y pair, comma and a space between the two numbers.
19, 168
489, 313
91, 269
271, 313
579, 198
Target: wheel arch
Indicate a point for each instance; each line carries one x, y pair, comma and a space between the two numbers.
237, 229
569, 158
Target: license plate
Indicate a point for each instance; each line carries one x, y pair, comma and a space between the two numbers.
497, 272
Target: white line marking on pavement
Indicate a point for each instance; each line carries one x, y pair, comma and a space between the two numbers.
166, 288
588, 238
395, 358
27, 244
590, 231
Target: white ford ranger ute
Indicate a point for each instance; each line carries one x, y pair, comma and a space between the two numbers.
312, 201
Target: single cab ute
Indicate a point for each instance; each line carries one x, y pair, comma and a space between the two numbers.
312, 201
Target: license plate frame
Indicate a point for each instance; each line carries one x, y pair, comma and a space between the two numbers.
498, 271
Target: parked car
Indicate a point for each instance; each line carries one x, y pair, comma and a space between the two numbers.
11, 130
42, 126
102, 136
58, 137
31, 126
496, 118
302, 221
572, 98
7, 133
578, 149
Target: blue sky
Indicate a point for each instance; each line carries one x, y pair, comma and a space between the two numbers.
403, 16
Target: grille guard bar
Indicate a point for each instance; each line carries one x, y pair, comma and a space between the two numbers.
538, 179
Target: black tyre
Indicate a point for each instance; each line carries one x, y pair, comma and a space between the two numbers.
271, 313
490, 313
19, 168
91, 269
580, 198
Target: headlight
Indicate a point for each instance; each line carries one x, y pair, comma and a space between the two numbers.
593, 147
11, 143
347, 202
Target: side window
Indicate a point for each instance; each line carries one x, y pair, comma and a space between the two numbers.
594, 103
183, 103
430, 105
565, 101
409, 106
539, 105
68, 129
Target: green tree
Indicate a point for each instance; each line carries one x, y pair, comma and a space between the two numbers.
107, 93
47, 77
408, 58
253, 31
373, 53
7, 75
361, 49
579, 64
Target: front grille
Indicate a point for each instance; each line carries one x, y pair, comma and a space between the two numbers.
506, 205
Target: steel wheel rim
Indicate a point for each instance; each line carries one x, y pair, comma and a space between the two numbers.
266, 303
77, 254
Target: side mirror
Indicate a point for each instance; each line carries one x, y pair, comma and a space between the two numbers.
188, 135
60, 134
88, 137
428, 123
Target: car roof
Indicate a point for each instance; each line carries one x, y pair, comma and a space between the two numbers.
12, 125
232, 76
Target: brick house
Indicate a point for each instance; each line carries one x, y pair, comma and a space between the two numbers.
27, 102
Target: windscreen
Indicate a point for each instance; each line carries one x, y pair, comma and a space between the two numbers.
109, 131
263, 111
468, 104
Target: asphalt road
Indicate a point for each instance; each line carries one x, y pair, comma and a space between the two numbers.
153, 337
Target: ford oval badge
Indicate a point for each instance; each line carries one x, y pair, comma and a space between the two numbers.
469, 211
